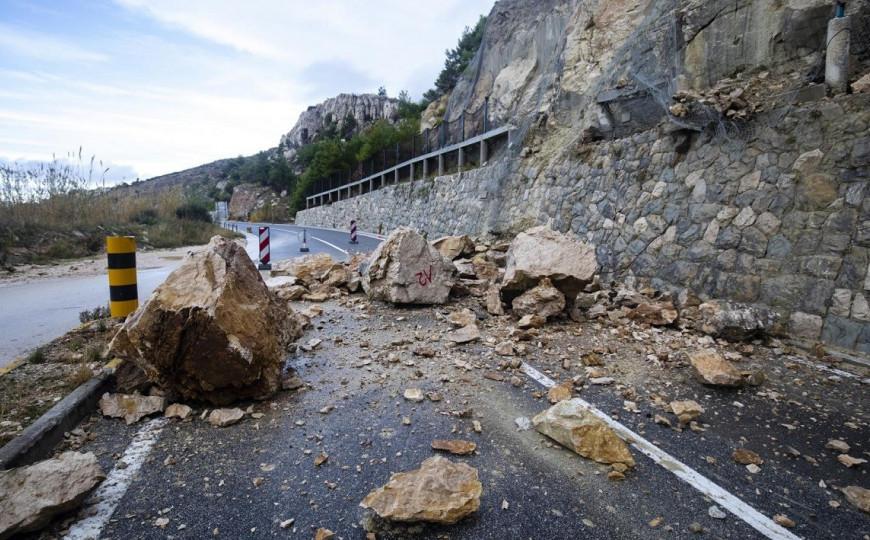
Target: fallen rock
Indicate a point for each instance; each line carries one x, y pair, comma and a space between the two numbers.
574, 426
856, 495
735, 322
531, 321
712, 369
212, 331
338, 275
862, 85
440, 491
560, 392
323, 534
485, 269
413, 394
784, 521
541, 252
850, 461
453, 247
543, 300
454, 446
745, 456
130, 407
33, 495
838, 445
178, 410
686, 410
654, 313
463, 317
504, 348
130, 379
225, 417
492, 300
466, 334
307, 270
405, 269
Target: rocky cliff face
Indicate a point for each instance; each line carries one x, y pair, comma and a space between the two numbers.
365, 109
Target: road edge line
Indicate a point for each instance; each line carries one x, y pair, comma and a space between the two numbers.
330, 244
701, 483
102, 503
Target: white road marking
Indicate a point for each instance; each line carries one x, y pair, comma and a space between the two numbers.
101, 504
723, 498
333, 246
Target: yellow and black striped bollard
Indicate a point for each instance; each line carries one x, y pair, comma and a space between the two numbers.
123, 293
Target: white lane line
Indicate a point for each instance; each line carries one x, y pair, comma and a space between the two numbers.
333, 246
726, 500
101, 504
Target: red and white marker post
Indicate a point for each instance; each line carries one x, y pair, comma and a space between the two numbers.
264, 249
353, 231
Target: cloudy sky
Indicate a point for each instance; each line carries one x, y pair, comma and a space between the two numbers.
155, 86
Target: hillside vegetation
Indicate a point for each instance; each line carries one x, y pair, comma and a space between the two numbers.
62, 209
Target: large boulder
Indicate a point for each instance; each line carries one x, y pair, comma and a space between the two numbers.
212, 331
574, 426
33, 495
541, 252
405, 269
734, 321
308, 269
440, 491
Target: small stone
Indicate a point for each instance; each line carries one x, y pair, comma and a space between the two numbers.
783, 520
523, 423
130, 407
466, 334
696, 527
716, 513
177, 410
287, 523
531, 321
601, 380
850, 461
838, 445
686, 410
320, 459
324, 534
746, 457
454, 446
574, 426
859, 497
505, 348
414, 394
161, 522
753, 468
225, 417
463, 317
560, 392
516, 381
714, 370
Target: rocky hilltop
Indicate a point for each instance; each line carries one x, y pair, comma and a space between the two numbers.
365, 109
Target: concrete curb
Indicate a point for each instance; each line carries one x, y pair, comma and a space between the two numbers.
39, 439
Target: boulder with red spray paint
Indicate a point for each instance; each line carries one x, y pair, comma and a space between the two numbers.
406, 269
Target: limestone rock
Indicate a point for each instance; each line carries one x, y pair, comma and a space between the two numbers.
440, 491
130, 378
838, 445
862, 85
414, 394
560, 392
714, 370
453, 247
484, 268
744, 456
541, 252
733, 321
462, 317
130, 407
859, 497
686, 410
212, 331
543, 300
323, 534
307, 269
466, 334
225, 417
177, 410
655, 313
405, 269
504, 348
531, 321
493, 301
574, 426
33, 495
454, 446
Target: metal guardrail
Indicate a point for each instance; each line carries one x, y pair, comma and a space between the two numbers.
471, 127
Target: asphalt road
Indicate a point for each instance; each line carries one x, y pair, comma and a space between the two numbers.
34, 313
244, 480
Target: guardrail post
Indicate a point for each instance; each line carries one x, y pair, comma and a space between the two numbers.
483, 153
486, 114
460, 158
396, 175
440, 164
462, 126
425, 168
411, 168
123, 291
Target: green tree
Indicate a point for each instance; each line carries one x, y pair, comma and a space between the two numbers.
457, 60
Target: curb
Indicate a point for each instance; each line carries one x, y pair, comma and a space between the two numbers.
39, 439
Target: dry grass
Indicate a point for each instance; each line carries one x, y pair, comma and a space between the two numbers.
80, 376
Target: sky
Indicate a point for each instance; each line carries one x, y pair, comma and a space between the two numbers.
156, 86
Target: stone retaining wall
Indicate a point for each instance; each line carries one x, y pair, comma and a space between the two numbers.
773, 213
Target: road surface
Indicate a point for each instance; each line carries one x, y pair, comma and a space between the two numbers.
36, 312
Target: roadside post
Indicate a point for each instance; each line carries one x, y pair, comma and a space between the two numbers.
304, 247
353, 231
264, 249
123, 291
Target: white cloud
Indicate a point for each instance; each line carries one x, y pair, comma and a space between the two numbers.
44, 47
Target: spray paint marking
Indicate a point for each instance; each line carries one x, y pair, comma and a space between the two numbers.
725, 499
424, 278
102, 503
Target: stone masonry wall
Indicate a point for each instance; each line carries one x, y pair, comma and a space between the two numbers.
773, 213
